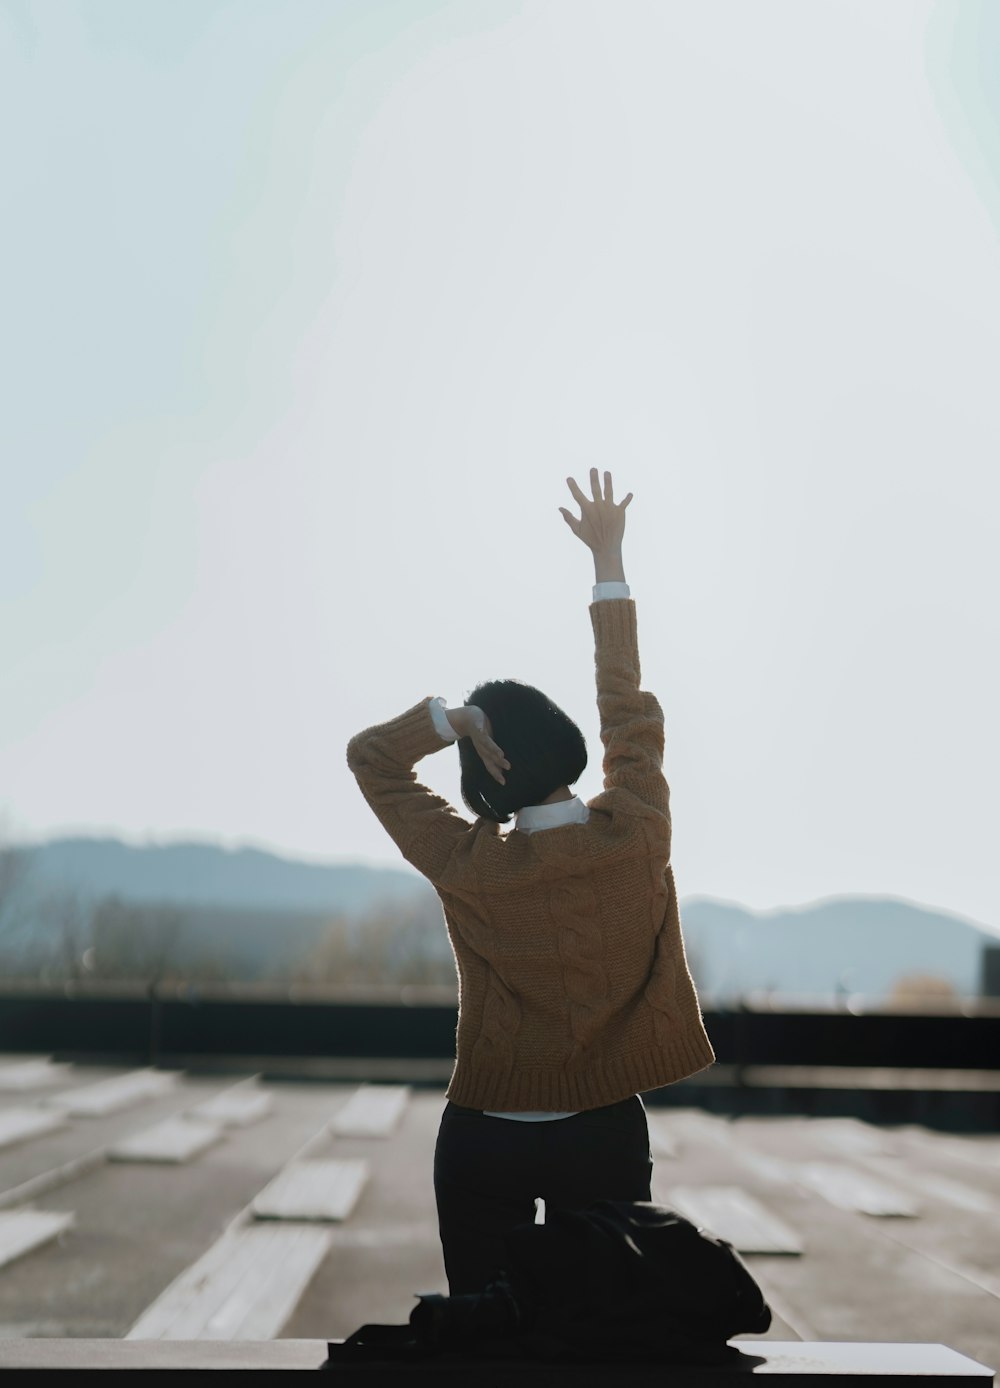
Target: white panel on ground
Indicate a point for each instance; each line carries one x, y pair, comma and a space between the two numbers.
854, 1190
236, 1107
20, 1124
736, 1216
107, 1096
372, 1111
30, 1074
954, 1193
701, 1127
23, 1230
975, 1149
313, 1189
244, 1288
850, 1137
174, 1140
662, 1138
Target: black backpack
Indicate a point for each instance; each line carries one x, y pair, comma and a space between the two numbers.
621, 1281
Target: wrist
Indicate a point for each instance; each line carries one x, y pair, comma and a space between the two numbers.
608, 567
456, 717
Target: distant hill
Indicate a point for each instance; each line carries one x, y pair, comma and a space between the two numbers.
845, 944
202, 874
260, 911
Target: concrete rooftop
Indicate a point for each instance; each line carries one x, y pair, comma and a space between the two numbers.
930, 1276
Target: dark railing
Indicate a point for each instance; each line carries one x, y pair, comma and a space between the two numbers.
802, 1058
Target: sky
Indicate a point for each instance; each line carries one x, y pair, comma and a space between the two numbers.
307, 312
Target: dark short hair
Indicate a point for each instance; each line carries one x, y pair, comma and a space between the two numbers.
544, 746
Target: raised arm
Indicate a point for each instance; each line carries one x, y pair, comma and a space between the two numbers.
631, 717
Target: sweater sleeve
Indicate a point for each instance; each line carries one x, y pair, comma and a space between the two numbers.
424, 827
631, 717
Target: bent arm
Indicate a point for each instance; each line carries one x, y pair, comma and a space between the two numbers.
424, 827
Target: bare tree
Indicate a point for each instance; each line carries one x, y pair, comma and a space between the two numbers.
134, 940
18, 941
391, 943
69, 926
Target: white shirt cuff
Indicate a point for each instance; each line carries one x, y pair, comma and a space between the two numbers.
441, 723
611, 589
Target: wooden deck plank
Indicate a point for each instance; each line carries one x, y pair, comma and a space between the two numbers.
107, 1096
855, 1190
731, 1213
23, 1230
183, 1309
265, 1310
22, 1124
23, 1075
980, 1151
372, 1111
313, 1189
175, 1140
947, 1191
850, 1137
662, 1136
244, 1288
236, 1107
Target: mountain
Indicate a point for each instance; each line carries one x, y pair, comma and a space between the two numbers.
188, 874
845, 944
252, 907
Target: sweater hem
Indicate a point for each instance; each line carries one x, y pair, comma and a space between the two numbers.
522, 1090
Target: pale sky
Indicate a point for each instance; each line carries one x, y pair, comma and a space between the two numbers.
309, 309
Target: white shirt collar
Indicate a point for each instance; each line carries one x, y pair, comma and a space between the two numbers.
533, 817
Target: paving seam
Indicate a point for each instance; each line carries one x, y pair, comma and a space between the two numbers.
977, 1277
70, 1170
245, 1218
49, 1180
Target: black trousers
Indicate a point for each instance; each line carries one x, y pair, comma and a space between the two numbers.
488, 1173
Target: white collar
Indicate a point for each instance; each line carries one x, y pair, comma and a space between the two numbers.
533, 817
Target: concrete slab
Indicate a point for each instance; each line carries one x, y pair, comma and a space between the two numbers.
731, 1213
175, 1140
798, 1365
373, 1111
244, 1288
22, 1075
100, 1354
22, 1124
313, 1189
21, 1231
236, 1107
850, 1189
107, 1096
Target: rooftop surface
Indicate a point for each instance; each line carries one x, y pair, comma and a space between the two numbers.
877, 1233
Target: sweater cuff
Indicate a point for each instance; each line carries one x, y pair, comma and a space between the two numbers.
614, 623
405, 739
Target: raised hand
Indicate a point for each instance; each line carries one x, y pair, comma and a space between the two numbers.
601, 525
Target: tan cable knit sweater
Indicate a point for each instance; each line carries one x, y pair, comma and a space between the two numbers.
574, 990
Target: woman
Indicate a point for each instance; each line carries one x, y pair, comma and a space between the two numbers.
574, 991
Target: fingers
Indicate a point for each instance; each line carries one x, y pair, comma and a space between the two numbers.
578, 495
495, 770
595, 487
